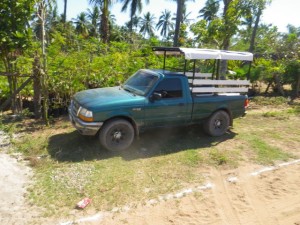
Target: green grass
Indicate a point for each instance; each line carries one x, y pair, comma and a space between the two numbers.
69, 166
265, 153
271, 101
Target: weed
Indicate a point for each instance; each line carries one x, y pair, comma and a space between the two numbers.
219, 158
192, 158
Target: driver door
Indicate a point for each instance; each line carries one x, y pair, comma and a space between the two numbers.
170, 109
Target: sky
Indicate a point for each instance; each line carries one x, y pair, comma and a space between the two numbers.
280, 13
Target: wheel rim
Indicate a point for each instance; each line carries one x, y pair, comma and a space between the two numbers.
218, 124
119, 137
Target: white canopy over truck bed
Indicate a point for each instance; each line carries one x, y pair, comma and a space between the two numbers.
202, 82
199, 53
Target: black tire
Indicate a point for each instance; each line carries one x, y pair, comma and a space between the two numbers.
217, 124
116, 135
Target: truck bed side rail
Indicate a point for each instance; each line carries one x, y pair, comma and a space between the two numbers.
199, 75
219, 86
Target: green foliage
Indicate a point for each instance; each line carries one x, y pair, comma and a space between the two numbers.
14, 33
78, 59
292, 73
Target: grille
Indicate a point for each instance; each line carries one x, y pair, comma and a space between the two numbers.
74, 107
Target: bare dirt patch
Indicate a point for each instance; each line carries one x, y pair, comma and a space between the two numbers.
15, 176
271, 197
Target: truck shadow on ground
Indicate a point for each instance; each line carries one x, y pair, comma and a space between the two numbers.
74, 147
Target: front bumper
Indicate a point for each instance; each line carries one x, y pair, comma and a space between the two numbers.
85, 128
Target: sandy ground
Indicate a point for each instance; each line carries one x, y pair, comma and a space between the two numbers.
250, 195
271, 198
14, 178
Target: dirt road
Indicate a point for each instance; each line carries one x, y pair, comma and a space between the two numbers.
14, 178
250, 195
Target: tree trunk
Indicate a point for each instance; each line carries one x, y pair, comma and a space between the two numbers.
104, 23
253, 36
37, 87
65, 11
298, 86
268, 87
278, 84
180, 5
44, 78
226, 41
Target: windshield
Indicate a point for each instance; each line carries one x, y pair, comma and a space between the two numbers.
141, 82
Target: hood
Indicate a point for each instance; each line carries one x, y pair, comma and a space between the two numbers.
97, 99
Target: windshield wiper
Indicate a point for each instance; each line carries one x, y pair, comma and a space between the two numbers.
129, 90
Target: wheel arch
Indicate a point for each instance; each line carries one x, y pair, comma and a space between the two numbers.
127, 118
225, 109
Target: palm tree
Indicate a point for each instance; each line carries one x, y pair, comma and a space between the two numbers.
81, 24
210, 10
165, 23
94, 17
147, 24
133, 23
135, 5
104, 25
179, 13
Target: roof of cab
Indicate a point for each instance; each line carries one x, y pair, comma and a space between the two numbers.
167, 72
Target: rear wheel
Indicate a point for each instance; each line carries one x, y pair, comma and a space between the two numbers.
116, 135
217, 124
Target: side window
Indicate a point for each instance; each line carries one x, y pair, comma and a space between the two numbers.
170, 88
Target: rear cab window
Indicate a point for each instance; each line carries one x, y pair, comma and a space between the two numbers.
170, 88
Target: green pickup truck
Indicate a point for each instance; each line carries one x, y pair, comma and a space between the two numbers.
159, 98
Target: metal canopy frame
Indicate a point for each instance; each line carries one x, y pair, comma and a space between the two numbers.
203, 54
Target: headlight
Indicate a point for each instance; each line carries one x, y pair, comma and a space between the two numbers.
85, 115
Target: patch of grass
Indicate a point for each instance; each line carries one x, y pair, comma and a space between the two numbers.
265, 152
218, 157
270, 101
276, 114
294, 110
192, 158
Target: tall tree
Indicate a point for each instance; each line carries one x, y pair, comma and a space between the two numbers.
147, 24
210, 10
135, 6
65, 11
81, 24
179, 14
165, 23
133, 23
15, 35
42, 9
257, 10
94, 16
104, 24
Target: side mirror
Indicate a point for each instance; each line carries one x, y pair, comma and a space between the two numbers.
155, 96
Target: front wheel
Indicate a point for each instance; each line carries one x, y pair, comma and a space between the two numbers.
116, 135
217, 124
